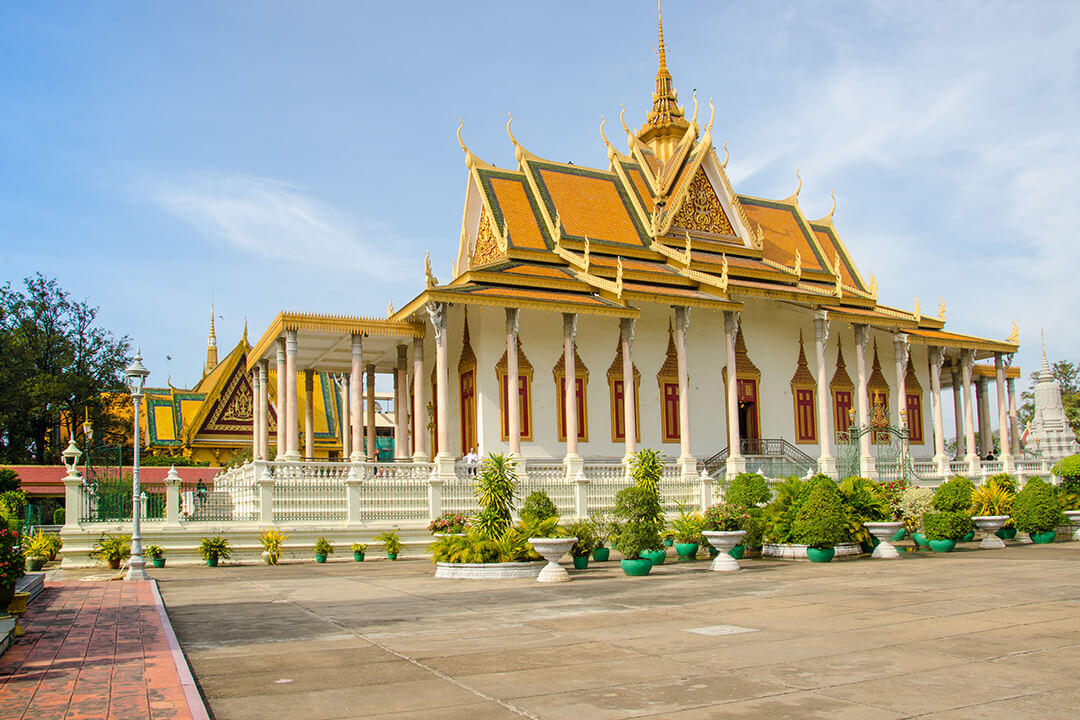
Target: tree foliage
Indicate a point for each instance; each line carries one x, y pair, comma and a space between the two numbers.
56, 365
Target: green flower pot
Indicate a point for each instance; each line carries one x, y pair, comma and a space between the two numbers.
1006, 533
158, 562
942, 546
713, 552
737, 551
668, 542
211, 562
1043, 538
686, 551
358, 557
637, 567
392, 556
601, 554
35, 563
969, 537
900, 535
656, 556
320, 558
581, 562
820, 555
920, 540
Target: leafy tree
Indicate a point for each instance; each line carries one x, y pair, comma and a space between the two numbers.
57, 365
1068, 376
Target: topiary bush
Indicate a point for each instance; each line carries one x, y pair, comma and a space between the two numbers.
539, 506
946, 525
748, 490
822, 519
954, 495
1036, 508
639, 509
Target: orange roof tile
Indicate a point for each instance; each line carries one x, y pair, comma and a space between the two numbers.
783, 233
589, 202
640, 186
829, 243
521, 219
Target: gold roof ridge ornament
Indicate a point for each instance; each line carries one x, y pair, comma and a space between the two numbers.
586, 253
503, 240
471, 161
687, 254
873, 286
631, 138
693, 120
429, 276
390, 310
839, 290
619, 278
519, 151
941, 310
918, 308
1014, 338
611, 151
794, 197
723, 273
798, 263
727, 156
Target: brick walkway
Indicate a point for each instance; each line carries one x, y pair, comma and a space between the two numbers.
95, 650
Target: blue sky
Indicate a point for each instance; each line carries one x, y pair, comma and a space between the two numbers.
303, 155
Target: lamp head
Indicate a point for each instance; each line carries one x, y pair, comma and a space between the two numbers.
88, 428
136, 374
71, 456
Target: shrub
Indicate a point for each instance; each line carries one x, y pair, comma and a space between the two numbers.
59, 516
448, 523
725, 517
359, 548
470, 547
954, 495
1068, 469
865, 501
915, 502
12, 503
1036, 507
646, 469
112, 548
154, 552
538, 505
688, 526
748, 490
605, 525
992, 499
585, 532
946, 525
323, 546
215, 547
821, 520
495, 490
780, 513
38, 545
639, 509
9, 480
391, 542
12, 560
1003, 480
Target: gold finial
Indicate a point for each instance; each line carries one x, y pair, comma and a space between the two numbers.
619, 278
660, 22
390, 309
798, 262
586, 253
727, 156
941, 310
712, 116
918, 308
693, 120
245, 330
873, 286
665, 112
1014, 338
794, 197
610, 148
687, 255
429, 276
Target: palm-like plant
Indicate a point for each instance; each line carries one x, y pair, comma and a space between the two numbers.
646, 469
991, 499
495, 491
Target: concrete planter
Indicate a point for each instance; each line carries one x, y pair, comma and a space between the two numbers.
489, 571
990, 524
884, 531
798, 552
723, 541
1074, 519
552, 549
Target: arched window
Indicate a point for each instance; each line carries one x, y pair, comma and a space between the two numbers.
804, 392
843, 393
877, 388
913, 405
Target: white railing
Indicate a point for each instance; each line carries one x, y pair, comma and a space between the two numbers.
924, 468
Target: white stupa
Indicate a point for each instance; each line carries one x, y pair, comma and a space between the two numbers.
1049, 430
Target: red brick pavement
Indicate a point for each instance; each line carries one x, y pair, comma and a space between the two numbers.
94, 651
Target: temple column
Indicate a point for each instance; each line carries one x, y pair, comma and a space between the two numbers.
901, 349
292, 452
967, 359
264, 410
826, 461
867, 466
282, 406
982, 402
937, 359
401, 405
372, 453
356, 400
573, 461
513, 382
687, 461
443, 459
1003, 418
309, 414
1014, 420
736, 463
344, 392
419, 414
626, 337
958, 413
255, 414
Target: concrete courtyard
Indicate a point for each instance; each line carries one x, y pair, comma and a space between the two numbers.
975, 634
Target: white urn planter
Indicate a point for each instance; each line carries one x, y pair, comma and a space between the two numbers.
552, 549
724, 540
990, 524
1074, 519
883, 531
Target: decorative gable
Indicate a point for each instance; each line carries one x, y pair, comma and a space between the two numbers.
232, 412
487, 246
701, 209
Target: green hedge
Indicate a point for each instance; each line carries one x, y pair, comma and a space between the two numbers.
954, 495
821, 520
1036, 507
946, 525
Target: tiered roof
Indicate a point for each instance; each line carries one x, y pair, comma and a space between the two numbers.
662, 224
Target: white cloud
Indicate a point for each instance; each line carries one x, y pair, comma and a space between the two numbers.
274, 219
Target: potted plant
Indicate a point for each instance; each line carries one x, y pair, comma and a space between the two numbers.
38, 548
723, 528
605, 527
12, 564
821, 522
585, 532
915, 502
214, 549
639, 532
894, 493
448, 524
1037, 511
391, 542
322, 549
272, 541
954, 495
55, 544
156, 555
991, 507
112, 549
358, 551
687, 528
869, 512
945, 528
646, 469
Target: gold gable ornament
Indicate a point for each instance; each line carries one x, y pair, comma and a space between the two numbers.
619, 278
941, 310
586, 253
390, 309
918, 308
429, 277
1014, 338
798, 262
839, 290
873, 286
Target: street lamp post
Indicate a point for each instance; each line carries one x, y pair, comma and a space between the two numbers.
136, 379
88, 434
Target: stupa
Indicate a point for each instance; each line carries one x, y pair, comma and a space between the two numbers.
1050, 430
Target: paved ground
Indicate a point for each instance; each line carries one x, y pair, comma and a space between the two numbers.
92, 650
976, 634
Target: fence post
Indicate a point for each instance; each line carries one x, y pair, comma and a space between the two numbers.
581, 494
172, 498
706, 489
74, 496
266, 496
353, 482
434, 494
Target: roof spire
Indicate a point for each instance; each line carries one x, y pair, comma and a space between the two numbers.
666, 122
660, 21
211, 346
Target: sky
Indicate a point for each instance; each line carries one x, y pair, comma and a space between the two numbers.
302, 156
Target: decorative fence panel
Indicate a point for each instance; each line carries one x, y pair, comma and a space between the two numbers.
551, 478
394, 496
309, 499
457, 496
605, 480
